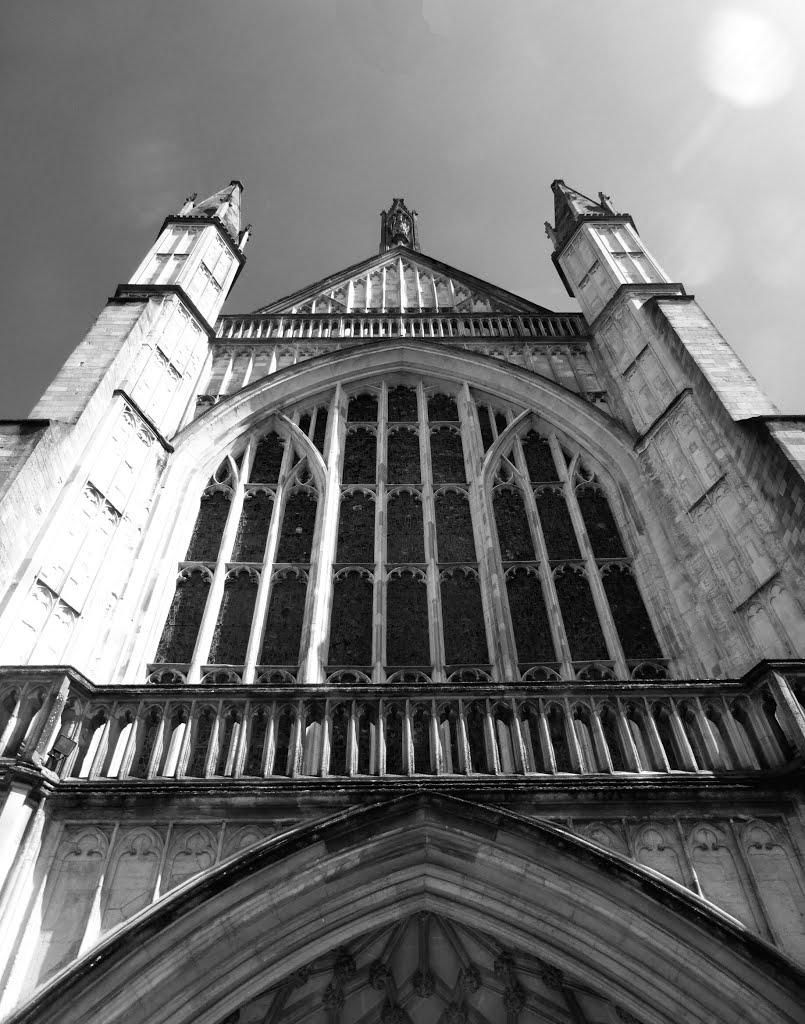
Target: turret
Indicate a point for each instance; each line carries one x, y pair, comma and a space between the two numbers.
597, 249
199, 249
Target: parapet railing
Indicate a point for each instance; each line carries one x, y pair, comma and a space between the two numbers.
553, 730
409, 324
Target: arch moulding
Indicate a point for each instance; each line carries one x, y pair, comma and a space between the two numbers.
652, 948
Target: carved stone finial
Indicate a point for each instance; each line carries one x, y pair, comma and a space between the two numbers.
469, 978
398, 226
514, 998
379, 975
455, 1013
423, 984
392, 1014
551, 976
333, 997
550, 232
605, 202
344, 966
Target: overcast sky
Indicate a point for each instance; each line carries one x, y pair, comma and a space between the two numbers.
690, 114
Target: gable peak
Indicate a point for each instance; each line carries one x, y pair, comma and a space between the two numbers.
398, 226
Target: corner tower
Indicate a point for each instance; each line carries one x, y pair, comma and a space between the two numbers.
402, 650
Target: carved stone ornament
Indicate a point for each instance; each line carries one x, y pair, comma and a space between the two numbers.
392, 1014
504, 964
344, 965
455, 1013
514, 998
333, 997
469, 978
379, 975
625, 1016
551, 976
423, 984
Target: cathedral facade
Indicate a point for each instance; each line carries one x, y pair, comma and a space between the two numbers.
402, 651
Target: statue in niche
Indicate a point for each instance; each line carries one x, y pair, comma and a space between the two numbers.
401, 226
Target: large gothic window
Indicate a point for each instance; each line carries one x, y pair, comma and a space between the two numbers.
465, 543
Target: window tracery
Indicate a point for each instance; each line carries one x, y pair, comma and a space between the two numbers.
406, 590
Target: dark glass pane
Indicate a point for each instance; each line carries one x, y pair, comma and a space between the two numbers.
557, 526
267, 460
394, 741
538, 458
184, 618
561, 753
257, 740
338, 741
402, 404
476, 736
202, 734
320, 430
285, 727
356, 529
209, 528
362, 409
631, 618
304, 423
447, 456
255, 519
580, 616
231, 635
532, 631
360, 457
366, 734
286, 613
420, 723
454, 528
463, 618
500, 422
404, 536
407, 621
600, 523
486, 429
442, 407
298, 523
609, 727
351, 623
403, 457
514, 534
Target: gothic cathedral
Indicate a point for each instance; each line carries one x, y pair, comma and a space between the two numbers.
402, 652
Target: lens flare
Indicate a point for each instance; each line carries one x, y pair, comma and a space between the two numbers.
745, 58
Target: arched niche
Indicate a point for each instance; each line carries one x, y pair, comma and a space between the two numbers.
594, 921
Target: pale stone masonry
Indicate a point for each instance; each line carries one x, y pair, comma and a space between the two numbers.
402, 650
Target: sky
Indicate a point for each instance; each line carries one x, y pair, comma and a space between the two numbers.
689, 115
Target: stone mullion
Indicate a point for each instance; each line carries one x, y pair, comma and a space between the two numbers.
686, 755
499, 634
213, 606
93, 925
433, 582
131, 743
265, 582
734, 739
548, 756
381, 737
380, 574
599, 740
321, 582
352, 741
409, 764
705, 733
627, 741
436, 755
270, 745
463, 740
518, 744
560, 641
490, 732
613, 642
227, 376
576, 758
240, 748
654, 740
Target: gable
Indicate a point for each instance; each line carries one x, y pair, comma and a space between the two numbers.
400, 281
